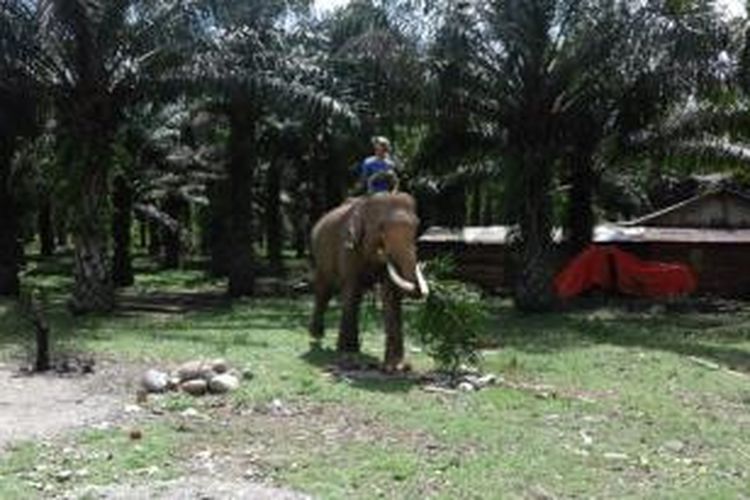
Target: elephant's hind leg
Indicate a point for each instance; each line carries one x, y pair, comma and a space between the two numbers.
323, 294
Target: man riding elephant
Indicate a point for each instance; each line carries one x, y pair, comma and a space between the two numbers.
368, 240
377, 172
376, 175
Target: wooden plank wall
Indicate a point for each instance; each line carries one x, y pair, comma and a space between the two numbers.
483, 265
722, 269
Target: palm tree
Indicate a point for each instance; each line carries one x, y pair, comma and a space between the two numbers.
547, 81
253, 67
677, 61
162, 173
101, 55
18, 99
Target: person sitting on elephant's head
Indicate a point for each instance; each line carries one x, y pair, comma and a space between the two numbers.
376, 175
377, 171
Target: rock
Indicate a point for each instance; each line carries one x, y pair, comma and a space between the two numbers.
674, 445
219, 366
223, 383
64, 475
278, 409
586, 437
190, 370
539, 493
480, 381
155, 381
466, 386
173, 384
129, 409
193, 413
195, 387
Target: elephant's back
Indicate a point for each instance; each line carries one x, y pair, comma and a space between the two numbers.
327, 234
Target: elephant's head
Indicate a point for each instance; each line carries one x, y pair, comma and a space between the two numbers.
389, 225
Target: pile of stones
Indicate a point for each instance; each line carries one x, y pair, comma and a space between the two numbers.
194, 377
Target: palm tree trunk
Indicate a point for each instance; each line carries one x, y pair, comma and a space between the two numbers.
122, 222
61, 229
241, 169
93, 290
453, 206
10, 248
533, 291
476, 205
142, 233
300, 212
174, 207
318, 202
215, 228
300, 240
154, 239
273, 222
335, 185
45, 227
580, 215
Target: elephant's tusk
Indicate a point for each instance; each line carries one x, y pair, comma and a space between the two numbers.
398, 280
424, 290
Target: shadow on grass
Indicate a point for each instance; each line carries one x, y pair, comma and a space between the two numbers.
711, 337
66, 333
360, 371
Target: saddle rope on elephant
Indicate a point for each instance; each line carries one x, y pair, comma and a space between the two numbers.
357, 201
387, 175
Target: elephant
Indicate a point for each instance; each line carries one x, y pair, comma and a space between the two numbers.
367, 240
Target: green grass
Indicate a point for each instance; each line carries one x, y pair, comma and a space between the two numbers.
95, 457
630, 413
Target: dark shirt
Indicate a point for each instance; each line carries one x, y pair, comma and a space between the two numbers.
372, 166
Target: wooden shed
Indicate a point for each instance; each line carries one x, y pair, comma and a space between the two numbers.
710, 233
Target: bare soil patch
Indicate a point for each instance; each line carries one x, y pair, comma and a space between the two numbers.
36, 406
189, 489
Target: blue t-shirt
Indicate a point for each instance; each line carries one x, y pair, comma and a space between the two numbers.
374, 165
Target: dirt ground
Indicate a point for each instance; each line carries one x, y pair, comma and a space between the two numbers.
193, 488
44, 406
41, 406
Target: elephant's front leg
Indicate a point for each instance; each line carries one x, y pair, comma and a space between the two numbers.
394, 338
351, 297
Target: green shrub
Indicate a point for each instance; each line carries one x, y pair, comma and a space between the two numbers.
452, 321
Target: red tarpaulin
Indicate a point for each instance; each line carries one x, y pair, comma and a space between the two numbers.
609, 268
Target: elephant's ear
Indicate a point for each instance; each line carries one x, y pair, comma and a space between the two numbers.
357, 224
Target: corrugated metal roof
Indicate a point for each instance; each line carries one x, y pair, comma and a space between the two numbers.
484, 235
654, 219
607, 233
648, 234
